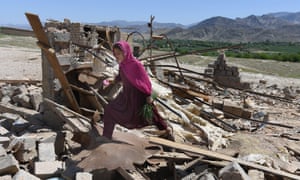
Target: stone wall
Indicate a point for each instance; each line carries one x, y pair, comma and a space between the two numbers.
71, 42
225, 75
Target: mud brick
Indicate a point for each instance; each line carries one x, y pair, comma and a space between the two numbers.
21, 174
229, 73
84, 176
255, 174
209, 71
245, 85
6, 177
27, 152
36, 99
46, 147
235, 73
53, 137
4, 141
228, 68
218, 104
233, 171
8, 164
23, 100
232, 109
62, 37
48, 168
246, 114
46, 152
2, 151
7, 119
3, 131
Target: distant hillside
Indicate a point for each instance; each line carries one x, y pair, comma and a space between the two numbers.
16, 31
291, 17
283, 27
277, 27
140, 26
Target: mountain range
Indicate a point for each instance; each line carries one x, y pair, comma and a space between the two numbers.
275, 27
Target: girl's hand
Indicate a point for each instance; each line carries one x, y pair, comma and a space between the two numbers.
107, 82
149, 100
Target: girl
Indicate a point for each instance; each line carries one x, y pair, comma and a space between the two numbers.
126, 108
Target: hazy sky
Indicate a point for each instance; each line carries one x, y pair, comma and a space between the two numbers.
176, 11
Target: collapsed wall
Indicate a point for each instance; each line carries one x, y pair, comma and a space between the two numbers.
71, 42
225, 75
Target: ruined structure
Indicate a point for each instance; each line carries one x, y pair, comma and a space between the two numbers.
225, 75
73, 43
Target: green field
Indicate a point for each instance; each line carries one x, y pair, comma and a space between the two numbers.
281, 51
19, 41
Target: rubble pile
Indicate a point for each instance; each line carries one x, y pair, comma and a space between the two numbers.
54, 130
226, 75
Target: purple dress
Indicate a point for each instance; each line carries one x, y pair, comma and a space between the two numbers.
126, 109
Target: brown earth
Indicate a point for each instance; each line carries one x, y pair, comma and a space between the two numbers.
17, 63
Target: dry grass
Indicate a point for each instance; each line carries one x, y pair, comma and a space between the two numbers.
19, 41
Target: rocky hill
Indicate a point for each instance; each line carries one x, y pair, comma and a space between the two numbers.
277, 27
291, 17
141, 26
284, 27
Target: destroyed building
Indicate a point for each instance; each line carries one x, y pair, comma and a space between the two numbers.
222, 128
225, 75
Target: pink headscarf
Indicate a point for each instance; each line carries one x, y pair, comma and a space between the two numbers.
134, 70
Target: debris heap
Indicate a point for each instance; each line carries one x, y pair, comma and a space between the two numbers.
225, 75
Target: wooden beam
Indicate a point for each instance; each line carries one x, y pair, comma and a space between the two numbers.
18, 81
172, 155
78, 122
37, 27
51, 56
216, 155
24, 112
44, 44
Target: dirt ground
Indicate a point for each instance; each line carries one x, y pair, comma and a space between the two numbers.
17, 63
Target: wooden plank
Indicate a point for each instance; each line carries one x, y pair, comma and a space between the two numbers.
44, 44
37, 27
18, 81
193, 163
101, 98
215, 163
197, 94
24, 112
51, 56
172, 155
78, 122
90, 97
216, 155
